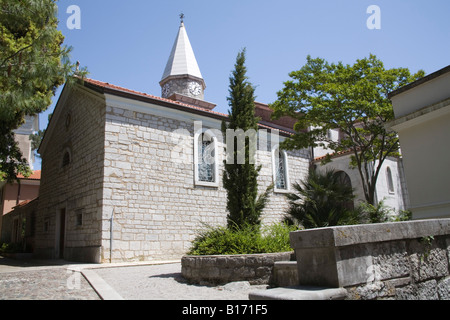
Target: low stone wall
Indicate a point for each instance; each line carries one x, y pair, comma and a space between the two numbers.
221, 269
403, 260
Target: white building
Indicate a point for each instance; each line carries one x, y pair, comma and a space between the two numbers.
422, 111
390, 187
22, 134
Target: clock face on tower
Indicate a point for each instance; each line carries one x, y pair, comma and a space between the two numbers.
195, 88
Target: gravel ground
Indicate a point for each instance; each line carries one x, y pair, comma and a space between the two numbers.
164, 282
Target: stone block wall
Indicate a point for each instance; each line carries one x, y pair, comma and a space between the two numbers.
128, 189
77, 127
402, 261
149, 185
411, 270
221, 269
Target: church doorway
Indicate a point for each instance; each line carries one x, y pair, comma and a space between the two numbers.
344, 179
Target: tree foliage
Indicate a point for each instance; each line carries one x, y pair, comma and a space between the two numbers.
351, 98
240, 180
33, 63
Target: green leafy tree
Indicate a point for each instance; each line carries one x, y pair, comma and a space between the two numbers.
33, 63
240, 179
321, 200
351, 98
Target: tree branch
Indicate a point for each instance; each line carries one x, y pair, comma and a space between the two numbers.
16, 53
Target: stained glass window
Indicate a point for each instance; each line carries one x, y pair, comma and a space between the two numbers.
280, 171
206, 159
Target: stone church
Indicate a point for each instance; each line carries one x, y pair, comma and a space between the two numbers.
129, 176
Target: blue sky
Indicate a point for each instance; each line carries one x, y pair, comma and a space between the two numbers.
127, 43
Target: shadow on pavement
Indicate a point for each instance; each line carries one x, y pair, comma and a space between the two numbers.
11, 265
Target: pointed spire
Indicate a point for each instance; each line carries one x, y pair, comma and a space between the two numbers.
182, 59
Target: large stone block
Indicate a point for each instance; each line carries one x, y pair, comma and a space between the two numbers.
428, 260
444, 289
352, 255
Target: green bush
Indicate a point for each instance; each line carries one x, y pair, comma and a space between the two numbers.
381, 213
10, 248
245, 240
275, 238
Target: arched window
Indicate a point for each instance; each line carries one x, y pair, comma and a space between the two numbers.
343, 178
390, 181
280, 170
67, 158
205, 159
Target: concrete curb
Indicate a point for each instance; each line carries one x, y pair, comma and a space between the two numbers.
104, 290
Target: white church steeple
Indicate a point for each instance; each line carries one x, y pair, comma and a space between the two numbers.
182, 75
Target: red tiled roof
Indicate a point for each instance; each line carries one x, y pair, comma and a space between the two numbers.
142, 94
188, 107
24, 203
36, 175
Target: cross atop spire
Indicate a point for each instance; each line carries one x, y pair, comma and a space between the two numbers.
182, 17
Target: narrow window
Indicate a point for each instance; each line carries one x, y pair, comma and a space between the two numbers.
280, 170
79, 218
46, 224
66, 158
16, 231
205, 162
329, 134
390, 182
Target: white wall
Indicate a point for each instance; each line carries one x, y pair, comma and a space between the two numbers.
394, 200
423, 125
426, 94
426, 160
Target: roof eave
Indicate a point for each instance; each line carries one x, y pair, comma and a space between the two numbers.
416, 83
185, 108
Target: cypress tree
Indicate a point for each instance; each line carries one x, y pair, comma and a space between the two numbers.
240, 179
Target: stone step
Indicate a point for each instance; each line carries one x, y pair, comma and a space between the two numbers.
284, 274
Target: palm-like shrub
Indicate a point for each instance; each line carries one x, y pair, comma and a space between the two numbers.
322, 200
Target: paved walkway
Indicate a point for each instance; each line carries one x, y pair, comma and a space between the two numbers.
61, 280
41, 280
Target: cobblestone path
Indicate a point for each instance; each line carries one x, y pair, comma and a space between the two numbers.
46, 284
